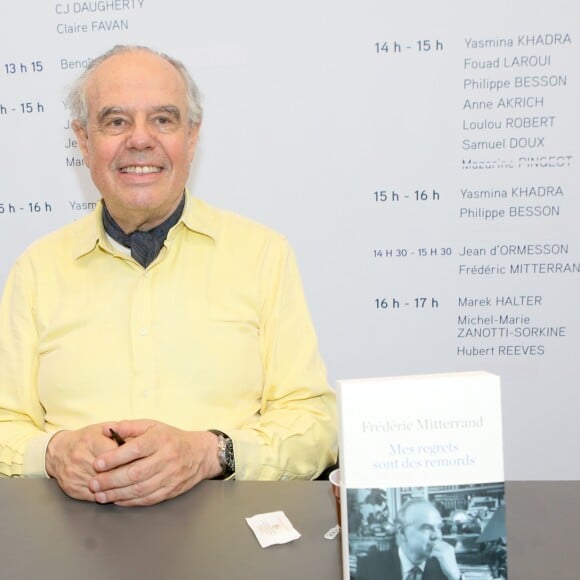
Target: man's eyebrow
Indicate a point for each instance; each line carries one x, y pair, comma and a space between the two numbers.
170, 109
107, 111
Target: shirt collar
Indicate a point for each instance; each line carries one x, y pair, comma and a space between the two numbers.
407, 565
200, 218
89, 232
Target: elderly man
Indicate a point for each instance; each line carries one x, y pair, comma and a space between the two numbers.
157, 342
421, 553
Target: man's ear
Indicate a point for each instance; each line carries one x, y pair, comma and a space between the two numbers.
400, 529
82, 138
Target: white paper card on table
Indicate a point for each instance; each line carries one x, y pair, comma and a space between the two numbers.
272, 528
435, 439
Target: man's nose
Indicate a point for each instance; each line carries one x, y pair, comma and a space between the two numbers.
436, 534
141, 136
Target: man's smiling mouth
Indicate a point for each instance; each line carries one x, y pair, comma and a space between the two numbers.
140, 169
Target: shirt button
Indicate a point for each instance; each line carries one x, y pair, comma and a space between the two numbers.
143, 331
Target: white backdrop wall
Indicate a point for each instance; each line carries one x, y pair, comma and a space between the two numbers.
422, 158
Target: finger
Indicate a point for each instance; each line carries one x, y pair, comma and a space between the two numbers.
159, 492
133, 490
144, 482
102, 445
130, 452
109, 430
70, 457
157, 496
442, 547
74, 479
129, 428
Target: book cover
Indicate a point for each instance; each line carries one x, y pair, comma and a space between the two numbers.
422, 478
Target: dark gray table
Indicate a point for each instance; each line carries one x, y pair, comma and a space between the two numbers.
203, 534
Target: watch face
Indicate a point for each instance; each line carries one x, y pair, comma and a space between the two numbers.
229, 455
225, 453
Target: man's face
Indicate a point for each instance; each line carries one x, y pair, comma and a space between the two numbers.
138, 142
420, 532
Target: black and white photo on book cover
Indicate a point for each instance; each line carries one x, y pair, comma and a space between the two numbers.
391, 528
422, 479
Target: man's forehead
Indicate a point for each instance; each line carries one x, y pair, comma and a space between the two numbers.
422, 514
131, 95
132, 59
137, 77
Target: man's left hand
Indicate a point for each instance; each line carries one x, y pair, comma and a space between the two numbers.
156, 463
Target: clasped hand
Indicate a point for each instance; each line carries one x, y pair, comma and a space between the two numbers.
156, 463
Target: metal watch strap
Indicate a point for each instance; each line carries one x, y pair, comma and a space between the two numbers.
225, 453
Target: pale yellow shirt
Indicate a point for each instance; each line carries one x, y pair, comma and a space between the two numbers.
215, 333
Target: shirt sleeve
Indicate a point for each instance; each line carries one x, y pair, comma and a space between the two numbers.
295, 435
23, 440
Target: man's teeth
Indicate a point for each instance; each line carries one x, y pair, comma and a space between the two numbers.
141, 169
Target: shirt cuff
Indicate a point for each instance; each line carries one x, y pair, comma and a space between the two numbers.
34, 460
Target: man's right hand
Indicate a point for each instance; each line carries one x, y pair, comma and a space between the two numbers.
70, 456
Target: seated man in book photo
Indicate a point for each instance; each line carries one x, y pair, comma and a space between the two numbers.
420, 553
158, 341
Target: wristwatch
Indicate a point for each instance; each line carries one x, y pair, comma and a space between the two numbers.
225, 453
